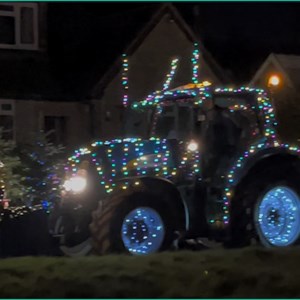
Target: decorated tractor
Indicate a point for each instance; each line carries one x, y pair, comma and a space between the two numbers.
211, 166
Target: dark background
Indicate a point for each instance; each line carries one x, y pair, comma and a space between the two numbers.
239, 35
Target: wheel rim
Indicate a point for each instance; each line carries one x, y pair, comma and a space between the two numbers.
277, 217
142, 231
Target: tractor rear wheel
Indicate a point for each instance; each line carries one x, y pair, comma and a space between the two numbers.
266, 209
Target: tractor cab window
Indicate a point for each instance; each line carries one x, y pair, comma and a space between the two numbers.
241, 110
199, 118
173, 121
230, 102
138, 123
185, 120
164, 122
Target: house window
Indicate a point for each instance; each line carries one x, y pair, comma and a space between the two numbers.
18, 26
7, 127
7, 111
55, 128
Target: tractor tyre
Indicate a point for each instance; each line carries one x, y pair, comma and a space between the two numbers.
70, 238
80, 248
266, 209
135, 223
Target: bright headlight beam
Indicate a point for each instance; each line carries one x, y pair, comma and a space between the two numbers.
75, 184
192, 146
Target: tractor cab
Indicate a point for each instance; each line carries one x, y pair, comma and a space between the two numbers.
186, 113
221, 124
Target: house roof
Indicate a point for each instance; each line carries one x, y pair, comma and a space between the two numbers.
288, 65
142, 33
291, 66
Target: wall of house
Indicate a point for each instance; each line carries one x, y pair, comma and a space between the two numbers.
148, 67
286, 101
30, 118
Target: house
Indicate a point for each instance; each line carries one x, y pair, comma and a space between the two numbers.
30, 97
60, 66
286, 68
284, 91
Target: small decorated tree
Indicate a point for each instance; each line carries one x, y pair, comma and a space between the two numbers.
43, 173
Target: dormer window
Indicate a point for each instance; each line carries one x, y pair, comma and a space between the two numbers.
18, 26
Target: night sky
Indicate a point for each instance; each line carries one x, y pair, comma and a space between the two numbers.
239, 35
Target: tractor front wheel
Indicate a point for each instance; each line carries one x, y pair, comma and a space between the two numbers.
136, 223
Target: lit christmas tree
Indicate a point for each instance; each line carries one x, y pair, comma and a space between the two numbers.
44, 162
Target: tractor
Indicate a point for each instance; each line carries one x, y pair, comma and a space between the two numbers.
209, 165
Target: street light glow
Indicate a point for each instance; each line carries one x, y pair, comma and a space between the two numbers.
274, 80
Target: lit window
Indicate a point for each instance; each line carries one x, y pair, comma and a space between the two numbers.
18, 26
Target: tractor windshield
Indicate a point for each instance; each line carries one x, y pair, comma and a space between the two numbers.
138, 123
243, 112
173, 120
164, 122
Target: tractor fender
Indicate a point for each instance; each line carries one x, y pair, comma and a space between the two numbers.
264, 158
159, 187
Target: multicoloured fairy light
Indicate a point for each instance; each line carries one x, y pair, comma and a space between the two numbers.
19, 211
171, 74
195, 63
125, 80
133, 158
167, 83
200, 91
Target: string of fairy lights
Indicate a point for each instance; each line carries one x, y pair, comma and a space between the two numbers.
171, 74
168, 79
139, 158
125, 80
155, 96
19, 211
195, 63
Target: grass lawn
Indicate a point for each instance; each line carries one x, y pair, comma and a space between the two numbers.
251, 272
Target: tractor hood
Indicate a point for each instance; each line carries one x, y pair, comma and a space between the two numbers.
130, 157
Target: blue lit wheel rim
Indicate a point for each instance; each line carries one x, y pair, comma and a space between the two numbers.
143, 231
277, 217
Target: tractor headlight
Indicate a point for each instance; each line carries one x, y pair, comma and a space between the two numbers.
76, 184
192, 146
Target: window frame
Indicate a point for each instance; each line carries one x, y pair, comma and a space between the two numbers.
16, 14
60, 135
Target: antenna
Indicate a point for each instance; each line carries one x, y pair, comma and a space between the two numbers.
125, 80
195, 64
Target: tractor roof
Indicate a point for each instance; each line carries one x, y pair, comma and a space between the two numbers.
199, 91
